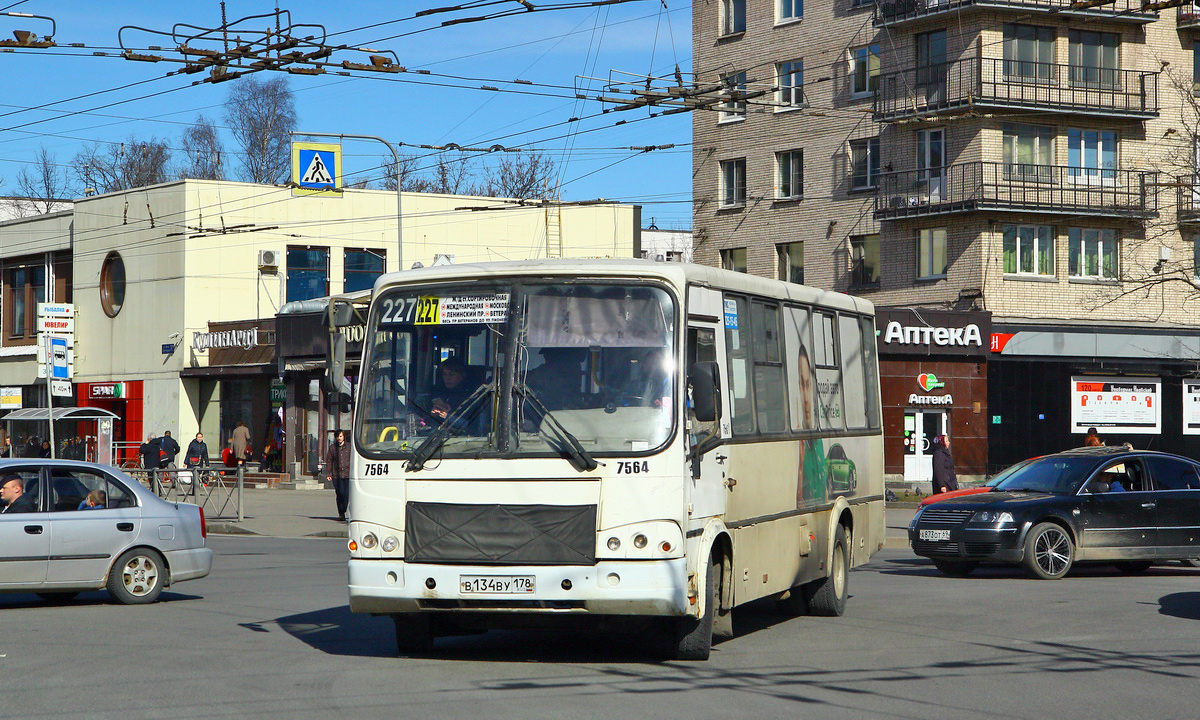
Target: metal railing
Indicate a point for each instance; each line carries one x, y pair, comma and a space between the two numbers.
995, 82
894, 12
1188, 16
967, 187
1187, 200
221, 494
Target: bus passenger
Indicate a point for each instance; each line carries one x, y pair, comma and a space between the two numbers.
558, 380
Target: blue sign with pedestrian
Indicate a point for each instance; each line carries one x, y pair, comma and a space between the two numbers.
319, 169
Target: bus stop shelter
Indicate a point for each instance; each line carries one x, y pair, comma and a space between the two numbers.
97, 434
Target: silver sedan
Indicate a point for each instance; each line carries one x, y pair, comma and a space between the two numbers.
67, 527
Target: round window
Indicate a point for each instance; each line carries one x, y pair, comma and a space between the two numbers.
112, 284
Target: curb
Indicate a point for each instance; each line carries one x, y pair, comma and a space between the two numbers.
895, 543
228, 528
329, 534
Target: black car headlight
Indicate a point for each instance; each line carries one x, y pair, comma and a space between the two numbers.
992, 517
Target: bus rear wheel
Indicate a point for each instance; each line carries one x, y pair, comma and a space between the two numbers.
414, 633
827, 596
693, 636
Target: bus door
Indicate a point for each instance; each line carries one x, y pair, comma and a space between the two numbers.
708, 493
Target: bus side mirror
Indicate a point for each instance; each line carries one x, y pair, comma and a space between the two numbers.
338, 401
335, 362
705, 380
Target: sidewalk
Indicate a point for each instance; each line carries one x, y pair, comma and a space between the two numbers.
312, 513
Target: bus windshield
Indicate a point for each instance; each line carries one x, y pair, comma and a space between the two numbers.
519, 370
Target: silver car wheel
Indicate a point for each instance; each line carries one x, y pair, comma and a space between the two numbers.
1053, 551
140, 575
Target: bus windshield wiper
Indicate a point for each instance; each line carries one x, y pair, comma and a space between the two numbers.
576, 453
426, 449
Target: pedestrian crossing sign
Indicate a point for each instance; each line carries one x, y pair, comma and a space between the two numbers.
316, 168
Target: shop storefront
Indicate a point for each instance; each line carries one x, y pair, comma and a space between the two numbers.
1048, 385
238, 386
124, 401
933, 378
309, 416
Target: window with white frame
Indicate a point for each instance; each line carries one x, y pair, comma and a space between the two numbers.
1196, 257
1094, 60
1028, 249
931, 253
734, 259
864, 259
1028, 152
790, 79
1093, 253
1091, 155
864, 163
1028, 53
733, 182
864, 69
733, 16
791, 261
734, 108
790, 10
790, 175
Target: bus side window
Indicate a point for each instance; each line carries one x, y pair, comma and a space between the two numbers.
701, 347
737, 347
853, 386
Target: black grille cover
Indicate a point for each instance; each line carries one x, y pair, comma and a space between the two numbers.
500, 534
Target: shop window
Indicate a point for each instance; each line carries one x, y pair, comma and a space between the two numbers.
25, 287
307, 273
362, 268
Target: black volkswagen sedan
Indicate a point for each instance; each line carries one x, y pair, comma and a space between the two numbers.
1113, 505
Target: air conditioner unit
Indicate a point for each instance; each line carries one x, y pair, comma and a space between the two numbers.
268, 260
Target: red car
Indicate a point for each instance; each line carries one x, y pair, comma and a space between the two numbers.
986, 487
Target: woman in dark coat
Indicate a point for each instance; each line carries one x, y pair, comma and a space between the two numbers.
944, 478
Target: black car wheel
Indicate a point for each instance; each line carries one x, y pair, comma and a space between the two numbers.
1191, 562
1049, 551
827, 596
955, 569
1133, 567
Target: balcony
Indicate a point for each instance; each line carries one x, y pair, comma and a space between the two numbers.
1188, 16
895, 13
1013, 187
956, 87
1188, 199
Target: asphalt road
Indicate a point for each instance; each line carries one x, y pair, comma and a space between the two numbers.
269, 635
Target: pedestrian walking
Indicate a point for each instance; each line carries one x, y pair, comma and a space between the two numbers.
944, 479
197, 452
170, 448
1092, 439
337, 471
150, 451
241, 442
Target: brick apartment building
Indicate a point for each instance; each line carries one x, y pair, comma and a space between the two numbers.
1020, 165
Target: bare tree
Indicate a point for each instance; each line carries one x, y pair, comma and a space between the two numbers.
122, 166
406, 175
260, 114
204, 153
42, 187
527, 176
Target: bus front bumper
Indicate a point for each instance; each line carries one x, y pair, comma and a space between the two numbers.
648, 587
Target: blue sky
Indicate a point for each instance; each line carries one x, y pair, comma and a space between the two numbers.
559, 48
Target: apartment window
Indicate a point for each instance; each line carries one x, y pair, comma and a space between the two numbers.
24, 288
791, 262
864, 69
362, 267
931, 253
931, 61
1094, 58
735, 107
733, 16
733, 182
1196, 257
864, 163
307, 273
790, 180
1092, 254
1028, 152
1029, 249
1092, 155
734, 259
1196, 68
791, 84
790, 10
1028, 53
864, 259
931, 155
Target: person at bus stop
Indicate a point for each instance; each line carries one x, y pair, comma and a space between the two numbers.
241, 442
170, 448
337, 471
1092, 439
197, 452
151, 453
44, 451
944, 479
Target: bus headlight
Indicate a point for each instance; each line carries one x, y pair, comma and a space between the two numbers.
651, 539
369, 541
389, 543
639, 541
614, 544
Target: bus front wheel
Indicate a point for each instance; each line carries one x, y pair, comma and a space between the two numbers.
693, 636
414, 633
827, 596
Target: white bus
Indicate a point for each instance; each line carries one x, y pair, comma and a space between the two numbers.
609, 438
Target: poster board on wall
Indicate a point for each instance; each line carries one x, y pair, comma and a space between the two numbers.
1116, 405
